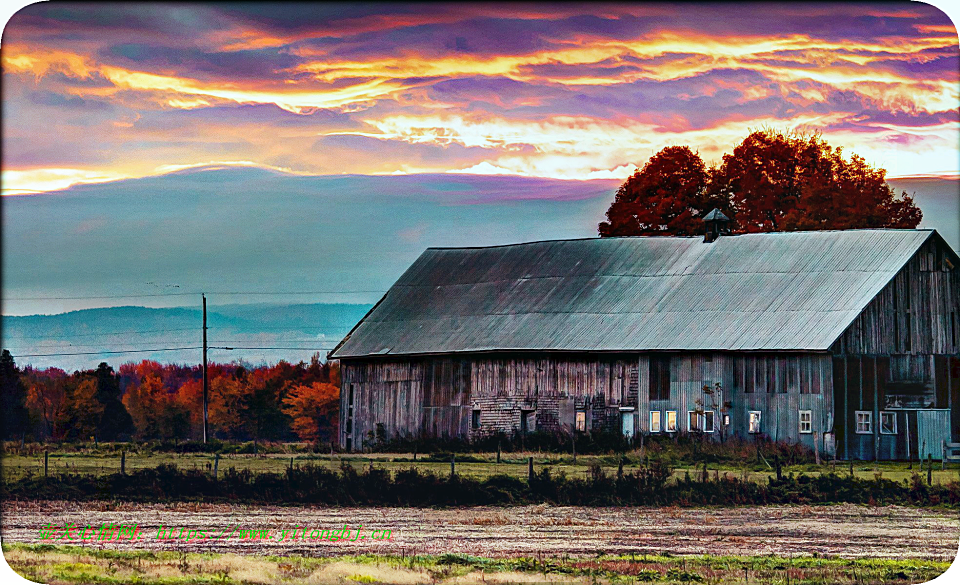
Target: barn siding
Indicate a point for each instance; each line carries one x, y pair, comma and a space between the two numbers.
437, 396
896, 357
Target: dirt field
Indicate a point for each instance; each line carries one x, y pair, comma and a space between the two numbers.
844, 530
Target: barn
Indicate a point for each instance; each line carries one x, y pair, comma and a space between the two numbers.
846, 341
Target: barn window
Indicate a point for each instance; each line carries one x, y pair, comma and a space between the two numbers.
864, 422
693, 421
754, 422
806, 421
476, 418
888, 423
708, 421
659, 377
671, 421
726, 420
528, 420
581, 421
655, 421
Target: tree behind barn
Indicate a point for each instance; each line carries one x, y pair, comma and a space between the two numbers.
771, 182
666, 197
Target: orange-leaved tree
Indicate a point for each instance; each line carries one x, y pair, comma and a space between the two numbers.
772, 181
315, 410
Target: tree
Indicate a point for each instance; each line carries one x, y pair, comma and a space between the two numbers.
115, 423
15, 416
773, 181
228, 406
778, 181
46, 399
667, 197
315, 410
84, 411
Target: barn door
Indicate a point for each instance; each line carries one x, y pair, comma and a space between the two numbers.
933, 427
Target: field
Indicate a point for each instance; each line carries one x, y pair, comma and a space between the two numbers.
49, 564
477, 465
216, 541
842, 530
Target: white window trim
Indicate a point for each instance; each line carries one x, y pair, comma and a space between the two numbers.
713, 427
659, 428
699, 419
894, 415
759, 422
667, 421
576, 421
809, 422
856, 422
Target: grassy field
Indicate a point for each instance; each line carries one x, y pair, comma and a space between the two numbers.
66, 564
477, 465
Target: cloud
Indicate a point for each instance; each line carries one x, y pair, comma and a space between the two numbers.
568, 91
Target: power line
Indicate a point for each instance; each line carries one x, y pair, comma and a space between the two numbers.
183, 294
106, 333
168, 349
106, 352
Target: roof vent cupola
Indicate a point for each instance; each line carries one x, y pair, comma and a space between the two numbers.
716, 224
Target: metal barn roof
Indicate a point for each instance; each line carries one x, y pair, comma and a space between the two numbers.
772, 291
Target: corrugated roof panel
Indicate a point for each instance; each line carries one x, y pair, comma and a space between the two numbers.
778, 291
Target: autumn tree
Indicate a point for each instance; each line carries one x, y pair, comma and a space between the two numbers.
15, 417
668, 196
777, 181
773, 181
315, 410
83, 409
46, 399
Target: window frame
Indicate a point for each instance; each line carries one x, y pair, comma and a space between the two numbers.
713, 421
580, 421
808, 422
475, 423
893, 415
659, 428
751, 430
869, 422
693, 415
667, 421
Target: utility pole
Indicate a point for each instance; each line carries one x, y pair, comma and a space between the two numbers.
205, 382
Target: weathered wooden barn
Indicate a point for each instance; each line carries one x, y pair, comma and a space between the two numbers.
847, 340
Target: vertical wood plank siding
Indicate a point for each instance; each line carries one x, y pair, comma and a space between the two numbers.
437, 396
896, 357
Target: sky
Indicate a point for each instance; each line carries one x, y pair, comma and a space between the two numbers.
572, 91
150, 148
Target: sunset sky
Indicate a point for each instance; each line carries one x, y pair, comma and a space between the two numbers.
573, 91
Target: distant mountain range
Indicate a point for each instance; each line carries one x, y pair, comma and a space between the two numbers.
308, 327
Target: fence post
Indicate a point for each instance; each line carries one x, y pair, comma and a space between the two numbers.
123, 462
929, 468
943, 455
46, 462
529, 468
453, 462
498, 452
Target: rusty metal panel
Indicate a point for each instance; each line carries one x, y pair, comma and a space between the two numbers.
777, 291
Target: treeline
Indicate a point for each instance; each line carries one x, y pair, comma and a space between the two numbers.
153, 401
647, 486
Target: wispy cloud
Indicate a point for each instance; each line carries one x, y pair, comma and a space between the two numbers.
94, 92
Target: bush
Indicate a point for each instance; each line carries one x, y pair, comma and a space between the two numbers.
413, 487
